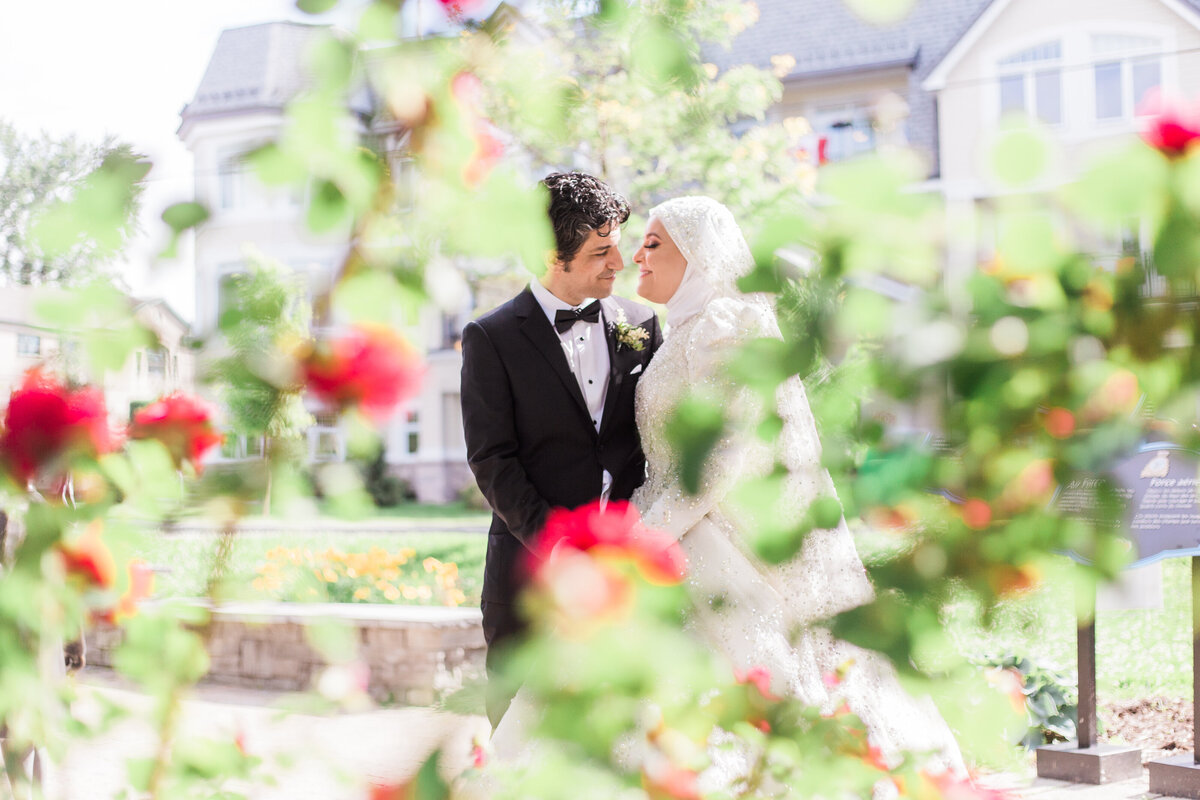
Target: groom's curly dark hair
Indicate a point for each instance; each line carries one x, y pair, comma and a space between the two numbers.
580, 204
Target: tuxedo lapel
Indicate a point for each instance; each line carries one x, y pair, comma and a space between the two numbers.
539, 331
616, 375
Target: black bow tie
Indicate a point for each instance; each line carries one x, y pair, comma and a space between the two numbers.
565, 318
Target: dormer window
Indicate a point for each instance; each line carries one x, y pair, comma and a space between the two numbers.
1125, 69
1031, 82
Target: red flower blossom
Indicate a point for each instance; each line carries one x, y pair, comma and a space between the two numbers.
390, 791
976, 513
1060, 422
616, 531
183, 424
48, 421
669, 782
370, 367
488, 150
947, 786
1173, 124
456, 8
88, 558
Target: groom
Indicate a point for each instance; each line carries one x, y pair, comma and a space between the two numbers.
548, 380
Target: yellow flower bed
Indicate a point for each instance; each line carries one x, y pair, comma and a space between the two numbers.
376, 576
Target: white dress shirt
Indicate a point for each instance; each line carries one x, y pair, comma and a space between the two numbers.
586, 350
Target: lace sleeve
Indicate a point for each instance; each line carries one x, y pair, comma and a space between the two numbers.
713, 338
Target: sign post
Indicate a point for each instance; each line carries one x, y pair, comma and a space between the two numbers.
1158, 488
1180, 776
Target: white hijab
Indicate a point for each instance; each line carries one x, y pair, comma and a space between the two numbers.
715, 249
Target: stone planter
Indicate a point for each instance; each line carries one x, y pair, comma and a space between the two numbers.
413, 652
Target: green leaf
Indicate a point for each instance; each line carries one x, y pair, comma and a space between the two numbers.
1020, 157
1129, 184
428, 785
332, 60
694, 431
881, 12
328, 208
181, 216
826, 512
316, 6
275, 165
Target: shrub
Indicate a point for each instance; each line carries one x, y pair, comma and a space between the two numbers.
1051, 698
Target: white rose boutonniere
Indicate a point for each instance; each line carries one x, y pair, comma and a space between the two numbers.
632, 336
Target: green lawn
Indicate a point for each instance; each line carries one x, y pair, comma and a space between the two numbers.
1138, 652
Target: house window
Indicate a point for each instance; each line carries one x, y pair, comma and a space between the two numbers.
843, 132
410, 432
231, 182
325, 438
1125, 70
1031, 82
404, 179
29, 345
156, 361
227, 286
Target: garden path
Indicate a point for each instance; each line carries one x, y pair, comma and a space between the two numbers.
337, 757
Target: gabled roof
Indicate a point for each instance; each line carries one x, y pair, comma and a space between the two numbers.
1189, 10
255, 67
825, 36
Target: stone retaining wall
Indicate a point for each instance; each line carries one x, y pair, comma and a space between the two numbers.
412, 652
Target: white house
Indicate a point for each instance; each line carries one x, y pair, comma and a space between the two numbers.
239, 105
149, 372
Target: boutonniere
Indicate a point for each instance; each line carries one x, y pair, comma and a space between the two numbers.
632, 336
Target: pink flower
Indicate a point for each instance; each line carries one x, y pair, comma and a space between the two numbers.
760, 679
48, 421
370, 366
456, 8
1173, 124
183, 424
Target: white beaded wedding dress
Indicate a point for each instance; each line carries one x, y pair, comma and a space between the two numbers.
754, 614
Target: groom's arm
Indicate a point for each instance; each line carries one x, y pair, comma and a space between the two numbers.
490, 429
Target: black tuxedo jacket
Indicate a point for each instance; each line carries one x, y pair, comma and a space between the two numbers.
530, 440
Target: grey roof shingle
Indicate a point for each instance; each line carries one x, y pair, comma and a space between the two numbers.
258, 66
826, 36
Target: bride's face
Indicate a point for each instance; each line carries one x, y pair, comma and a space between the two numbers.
660, 264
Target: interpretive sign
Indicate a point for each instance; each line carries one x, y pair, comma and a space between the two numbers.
1157, 486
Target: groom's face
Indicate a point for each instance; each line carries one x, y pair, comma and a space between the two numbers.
593, 270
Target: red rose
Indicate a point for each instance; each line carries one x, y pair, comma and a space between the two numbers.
47, 421
616, 530
183, 424
370, 366
1173, 124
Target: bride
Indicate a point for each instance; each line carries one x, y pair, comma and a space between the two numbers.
690, 258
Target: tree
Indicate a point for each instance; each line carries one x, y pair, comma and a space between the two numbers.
626, 94
268, 313
67, 207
